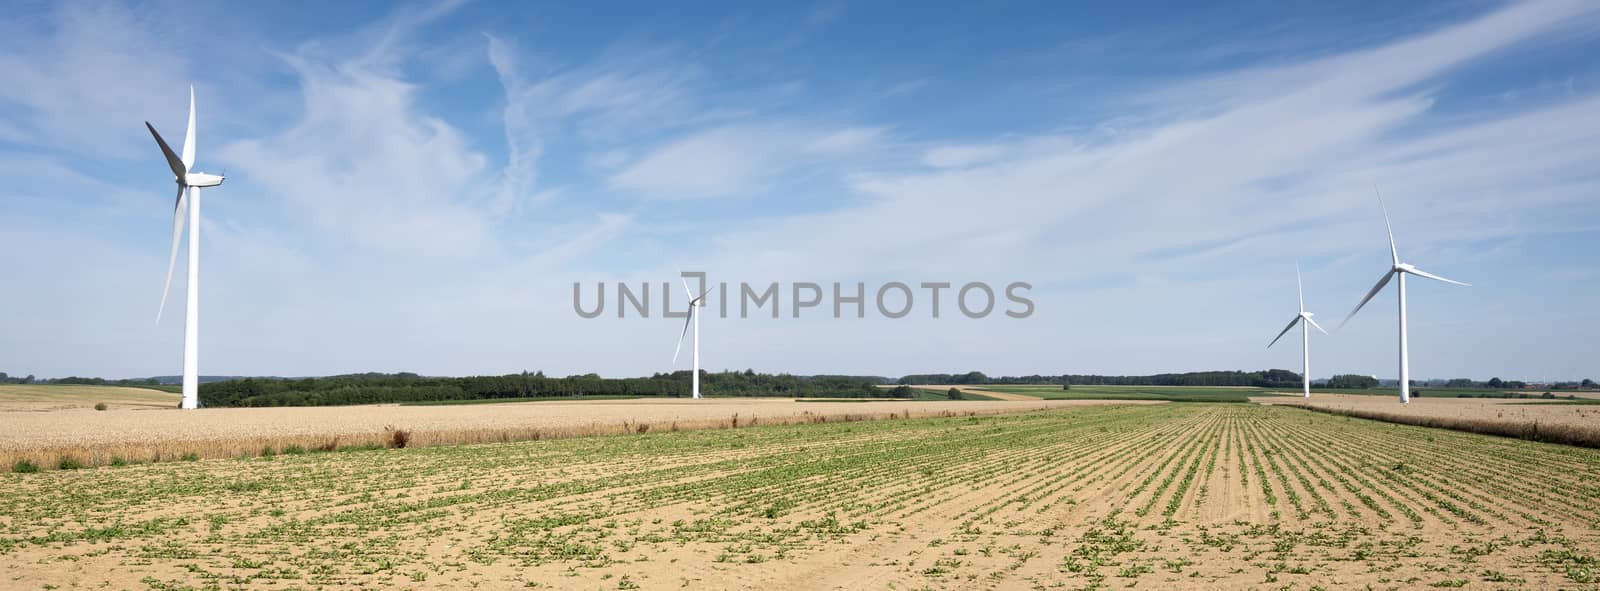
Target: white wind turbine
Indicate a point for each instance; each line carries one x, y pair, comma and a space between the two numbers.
1398, 271
693, 318
188, 202
1305, 321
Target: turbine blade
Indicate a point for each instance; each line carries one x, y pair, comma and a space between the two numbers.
180, 211
1393, 252
1416, 271
686, 321
1318, 326
1299, 287
701, 297
686, 291
178, 168
1375, 289
1284, 332
188, 138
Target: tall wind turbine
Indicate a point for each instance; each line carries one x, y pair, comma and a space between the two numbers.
1398, 271
188, 202
693, 318
1305, 322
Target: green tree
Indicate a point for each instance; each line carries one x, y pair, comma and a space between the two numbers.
1352, 381
1496, 383
954, 394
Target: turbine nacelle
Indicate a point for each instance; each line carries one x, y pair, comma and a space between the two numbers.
200, 179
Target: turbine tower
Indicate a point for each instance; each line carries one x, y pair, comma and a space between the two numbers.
186, 205
1306, 323
1398, 271
694, 318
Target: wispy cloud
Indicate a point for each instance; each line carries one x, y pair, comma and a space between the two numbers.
364, 164
83, 78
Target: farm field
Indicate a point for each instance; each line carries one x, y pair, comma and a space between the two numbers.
968, 392
1153, 496
1555, 420
1166, 393
88, 437
1439, 392
42, 398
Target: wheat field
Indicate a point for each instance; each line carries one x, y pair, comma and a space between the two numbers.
78, 435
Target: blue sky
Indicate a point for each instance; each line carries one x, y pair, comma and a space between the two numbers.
417, 186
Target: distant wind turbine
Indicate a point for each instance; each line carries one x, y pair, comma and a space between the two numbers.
188, 202
1305, 322
693, 318
1399, 271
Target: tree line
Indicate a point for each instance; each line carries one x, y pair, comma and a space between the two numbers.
372, 388
1271, 378
75, 380
410, 387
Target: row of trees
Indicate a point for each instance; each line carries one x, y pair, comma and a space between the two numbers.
370, 388
1352, 381
1272, 378
7, 379
408, 387
1461, 383
74, 380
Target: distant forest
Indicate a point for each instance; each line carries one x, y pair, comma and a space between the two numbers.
373, 388
1272, 378
409, 387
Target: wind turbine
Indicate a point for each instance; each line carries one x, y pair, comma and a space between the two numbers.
1305, 322
693, 318
188, 202
1398, 271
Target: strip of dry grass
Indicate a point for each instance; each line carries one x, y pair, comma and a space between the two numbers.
1531, 430
85, 439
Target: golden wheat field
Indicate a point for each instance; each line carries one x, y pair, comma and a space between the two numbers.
1118, 496
76, 433
1539, 420
39, 398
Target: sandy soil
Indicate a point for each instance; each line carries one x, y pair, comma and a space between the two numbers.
1168, 496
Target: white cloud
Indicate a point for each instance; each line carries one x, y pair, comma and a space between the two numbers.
962, 156
743, 160
363, 164
715, 163
848, 140
86, 78
523, 146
